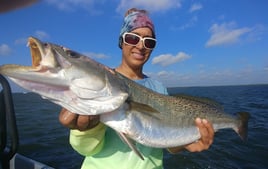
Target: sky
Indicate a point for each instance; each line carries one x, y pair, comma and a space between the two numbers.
199, 42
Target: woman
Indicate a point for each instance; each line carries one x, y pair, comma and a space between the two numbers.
99, 144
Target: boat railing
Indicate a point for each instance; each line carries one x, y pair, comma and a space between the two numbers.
9, 141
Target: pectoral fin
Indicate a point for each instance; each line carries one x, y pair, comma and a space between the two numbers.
129, 142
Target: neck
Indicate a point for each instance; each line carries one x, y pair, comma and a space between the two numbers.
131, 73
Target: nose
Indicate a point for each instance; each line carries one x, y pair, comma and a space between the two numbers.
140, 45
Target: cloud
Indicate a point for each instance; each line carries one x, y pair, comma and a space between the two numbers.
172, 79
96, 55
150, 5
257, 33
21, 41
195, 7
193, 19
163, 73
218, 77
5, 50
168, 59
41, 34
225, 33
73, 5
189, 24
265, 68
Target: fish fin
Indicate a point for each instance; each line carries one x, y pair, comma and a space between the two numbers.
204, 100
243, 127
142, 107
130, 143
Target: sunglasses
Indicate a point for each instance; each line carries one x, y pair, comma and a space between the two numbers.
133, 39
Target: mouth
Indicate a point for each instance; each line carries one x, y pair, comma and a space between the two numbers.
42, 74
36, 49
43, 55
138, 56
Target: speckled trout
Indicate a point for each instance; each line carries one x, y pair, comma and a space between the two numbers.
87, 87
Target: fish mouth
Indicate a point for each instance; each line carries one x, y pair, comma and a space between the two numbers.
44, 69
36, 50
44, 57
42, 75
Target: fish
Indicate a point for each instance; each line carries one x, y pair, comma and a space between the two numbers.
138, 114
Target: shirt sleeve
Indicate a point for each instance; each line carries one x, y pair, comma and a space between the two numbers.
88, 142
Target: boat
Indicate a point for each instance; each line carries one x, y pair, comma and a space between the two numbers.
9, 139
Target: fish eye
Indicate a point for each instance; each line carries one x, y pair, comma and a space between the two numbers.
72, 54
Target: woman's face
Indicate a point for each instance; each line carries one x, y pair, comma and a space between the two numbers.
136, 56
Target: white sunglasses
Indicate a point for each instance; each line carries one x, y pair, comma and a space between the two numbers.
133, 39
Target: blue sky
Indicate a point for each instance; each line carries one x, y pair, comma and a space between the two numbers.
199, 43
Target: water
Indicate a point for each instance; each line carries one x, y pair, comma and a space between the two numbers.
44, 139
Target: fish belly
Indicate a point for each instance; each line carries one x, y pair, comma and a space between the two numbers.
149, 130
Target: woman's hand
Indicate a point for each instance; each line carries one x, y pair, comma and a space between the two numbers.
76, 121
207, 135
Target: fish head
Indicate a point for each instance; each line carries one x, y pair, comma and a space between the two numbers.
43, 70
68, 78
53, 65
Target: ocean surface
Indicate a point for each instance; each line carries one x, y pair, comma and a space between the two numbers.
44, 139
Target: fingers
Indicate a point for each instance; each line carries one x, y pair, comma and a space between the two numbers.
75, 121
210, 133
206, 131
67, 118
207, 135
82, 122
85, 122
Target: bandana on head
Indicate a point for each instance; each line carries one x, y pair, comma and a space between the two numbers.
136, 20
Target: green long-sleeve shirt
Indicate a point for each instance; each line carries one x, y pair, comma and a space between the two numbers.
103, 148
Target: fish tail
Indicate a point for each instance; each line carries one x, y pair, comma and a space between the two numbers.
243, 126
